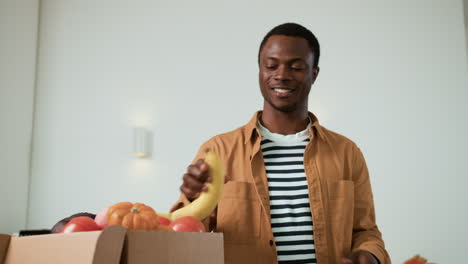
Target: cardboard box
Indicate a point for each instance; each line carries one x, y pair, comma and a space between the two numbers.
114, 245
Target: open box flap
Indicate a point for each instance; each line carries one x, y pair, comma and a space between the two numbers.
4, 241
110, 244
104, 247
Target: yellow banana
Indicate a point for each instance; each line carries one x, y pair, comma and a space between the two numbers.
204, 205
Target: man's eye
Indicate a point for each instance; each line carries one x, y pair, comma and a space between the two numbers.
270, 67
297, 68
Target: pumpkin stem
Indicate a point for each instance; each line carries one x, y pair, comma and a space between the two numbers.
134, 210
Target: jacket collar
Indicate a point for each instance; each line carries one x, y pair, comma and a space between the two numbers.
251, 129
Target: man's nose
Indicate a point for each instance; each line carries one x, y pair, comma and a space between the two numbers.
282, 73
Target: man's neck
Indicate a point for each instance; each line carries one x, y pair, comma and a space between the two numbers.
285, 123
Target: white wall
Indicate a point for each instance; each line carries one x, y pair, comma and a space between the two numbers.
393, 78
465, 8
18, 39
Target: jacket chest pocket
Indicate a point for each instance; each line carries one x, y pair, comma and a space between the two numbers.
239, 213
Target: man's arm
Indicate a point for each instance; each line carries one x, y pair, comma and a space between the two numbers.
366, 235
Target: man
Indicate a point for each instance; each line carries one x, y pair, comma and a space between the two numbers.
295, 191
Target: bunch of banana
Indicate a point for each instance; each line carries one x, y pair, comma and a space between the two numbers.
204, 205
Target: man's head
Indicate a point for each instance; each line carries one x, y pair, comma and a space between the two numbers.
294, 30
288, 66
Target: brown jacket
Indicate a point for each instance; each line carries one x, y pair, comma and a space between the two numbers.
339, 192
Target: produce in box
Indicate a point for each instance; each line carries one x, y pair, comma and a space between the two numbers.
138, 216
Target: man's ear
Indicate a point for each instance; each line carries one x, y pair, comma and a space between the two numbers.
315, 72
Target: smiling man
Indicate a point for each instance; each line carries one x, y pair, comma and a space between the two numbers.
296, 191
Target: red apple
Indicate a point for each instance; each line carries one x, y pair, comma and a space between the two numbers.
80, 224
163, 220
187, 224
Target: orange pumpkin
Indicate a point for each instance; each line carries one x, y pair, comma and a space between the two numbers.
416, 260
134, 216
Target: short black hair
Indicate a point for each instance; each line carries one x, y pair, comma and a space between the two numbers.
294, 30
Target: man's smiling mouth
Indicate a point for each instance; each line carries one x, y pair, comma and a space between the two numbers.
282, 91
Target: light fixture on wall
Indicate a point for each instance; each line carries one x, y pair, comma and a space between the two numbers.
140, 142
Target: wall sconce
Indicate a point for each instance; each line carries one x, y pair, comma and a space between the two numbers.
140, 142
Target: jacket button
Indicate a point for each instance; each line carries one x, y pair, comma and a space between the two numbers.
271, 242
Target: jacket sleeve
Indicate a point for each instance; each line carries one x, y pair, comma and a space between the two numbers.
366, 235
209, 222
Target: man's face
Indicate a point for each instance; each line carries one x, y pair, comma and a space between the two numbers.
286, 73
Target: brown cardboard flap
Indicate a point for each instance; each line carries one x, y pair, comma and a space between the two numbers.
103, 247
109, 246
4, 241
114, 245
56, 248
143, 247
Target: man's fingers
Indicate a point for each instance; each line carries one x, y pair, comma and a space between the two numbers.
195, 178
363, 259
188, 192
199, 171
204, 172
346, 261
193, 183
203, 167
199, 162
194, 170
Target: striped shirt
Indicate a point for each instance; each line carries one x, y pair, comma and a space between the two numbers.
291, 217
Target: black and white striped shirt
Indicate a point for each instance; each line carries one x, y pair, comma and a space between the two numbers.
291, 217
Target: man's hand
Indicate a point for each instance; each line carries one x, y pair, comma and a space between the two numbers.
360, 257
194, 180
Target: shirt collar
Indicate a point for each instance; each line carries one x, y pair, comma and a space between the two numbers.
251, 129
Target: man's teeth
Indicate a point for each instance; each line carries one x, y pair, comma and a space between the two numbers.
282, 90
